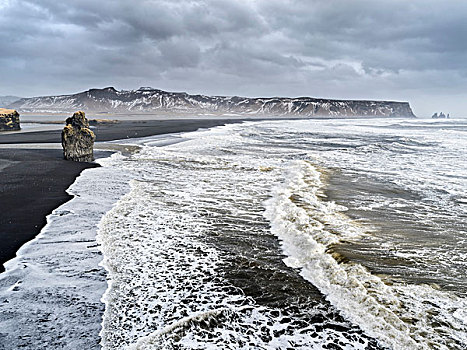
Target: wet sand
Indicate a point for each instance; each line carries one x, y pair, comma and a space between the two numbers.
120, 130
34, 181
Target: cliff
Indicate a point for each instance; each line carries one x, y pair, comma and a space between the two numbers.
9, 120
154, 101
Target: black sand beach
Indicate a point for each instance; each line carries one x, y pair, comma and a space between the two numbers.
121, 130
34, 181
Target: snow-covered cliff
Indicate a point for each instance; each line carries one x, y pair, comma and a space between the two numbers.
154, 101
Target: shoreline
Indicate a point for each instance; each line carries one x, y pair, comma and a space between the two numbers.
34, 183
35, 180
121, 130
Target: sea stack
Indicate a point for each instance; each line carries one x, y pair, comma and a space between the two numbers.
9, 120
78, 139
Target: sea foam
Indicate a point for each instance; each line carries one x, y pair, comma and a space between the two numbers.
50, 293
166, 287
399, 315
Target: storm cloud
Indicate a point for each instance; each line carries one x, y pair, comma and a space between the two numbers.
363, 49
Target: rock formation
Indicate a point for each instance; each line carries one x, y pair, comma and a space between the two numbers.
441, 115
78, 139
9, 119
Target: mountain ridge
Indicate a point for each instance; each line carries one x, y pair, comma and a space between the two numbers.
7, 100
147, 100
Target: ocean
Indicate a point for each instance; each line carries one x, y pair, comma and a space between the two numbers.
288, 234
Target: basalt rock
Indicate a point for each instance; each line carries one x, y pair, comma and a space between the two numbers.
441, 115
78, 139
9, 119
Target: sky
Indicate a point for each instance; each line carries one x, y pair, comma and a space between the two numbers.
401, 50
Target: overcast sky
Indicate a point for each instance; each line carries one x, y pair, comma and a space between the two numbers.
412, 51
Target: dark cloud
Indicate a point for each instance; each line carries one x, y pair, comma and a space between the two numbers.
387, 49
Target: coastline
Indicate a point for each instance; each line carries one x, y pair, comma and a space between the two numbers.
35, 180
54, 276
123, 129
33, 184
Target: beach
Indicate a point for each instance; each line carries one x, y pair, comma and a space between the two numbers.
233, 175
35, 178
303, 234
33, 184
122, 129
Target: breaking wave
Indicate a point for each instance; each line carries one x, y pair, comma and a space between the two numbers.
400, 316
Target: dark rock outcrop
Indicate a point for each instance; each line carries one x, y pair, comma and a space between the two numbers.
78, 139
441, 115
154, 101
9, 120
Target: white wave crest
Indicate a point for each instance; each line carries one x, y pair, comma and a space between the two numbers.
399, 316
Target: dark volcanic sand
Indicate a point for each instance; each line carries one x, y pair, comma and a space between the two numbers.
121, 130
34, 181
32, 184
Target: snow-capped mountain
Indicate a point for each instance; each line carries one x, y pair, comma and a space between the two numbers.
8, 100
154, 101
